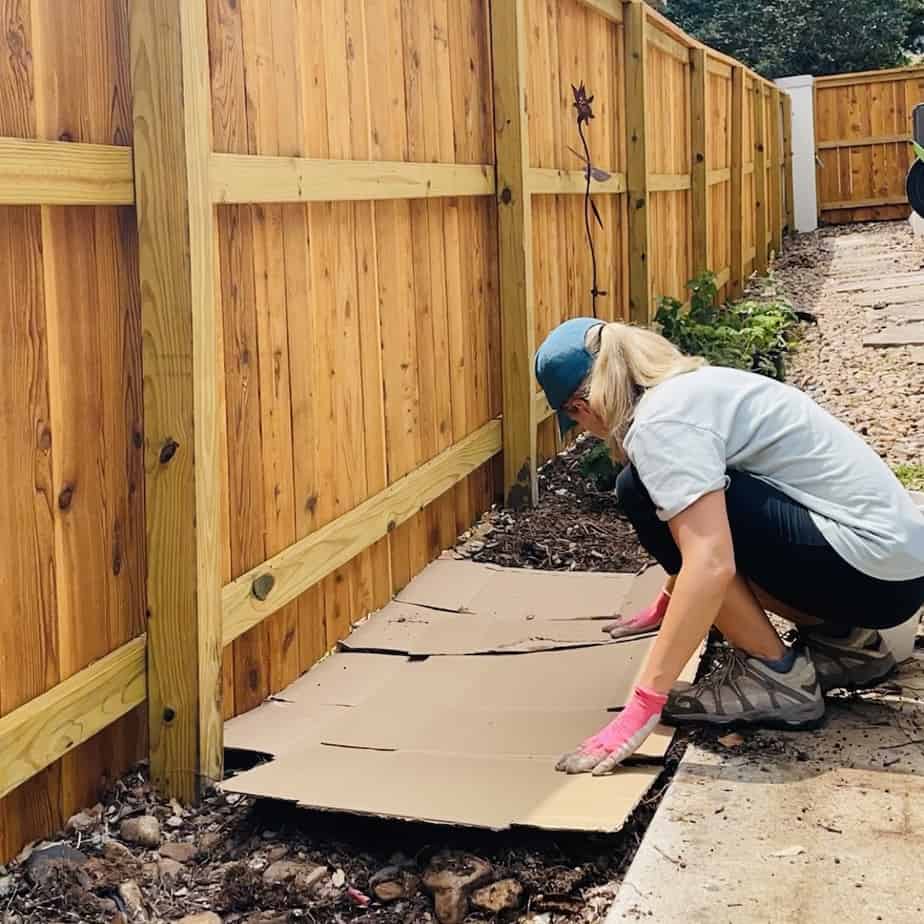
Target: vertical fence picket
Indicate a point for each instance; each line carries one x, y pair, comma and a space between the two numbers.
634, 82
515, 236
736, 236
700, 189
760, 180
775, 191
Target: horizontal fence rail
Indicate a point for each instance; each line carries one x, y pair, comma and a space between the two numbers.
64, 173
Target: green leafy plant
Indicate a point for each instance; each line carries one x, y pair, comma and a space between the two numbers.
754, 334
597, 464
911, 475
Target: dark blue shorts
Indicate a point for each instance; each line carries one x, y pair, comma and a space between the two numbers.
779, 548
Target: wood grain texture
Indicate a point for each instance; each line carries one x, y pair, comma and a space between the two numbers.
761, 241
252, 178
700, 187
508, 24
71, 712
736, 205
56, 173
775, 189
636, 103
551, 182
321, 553
169, 52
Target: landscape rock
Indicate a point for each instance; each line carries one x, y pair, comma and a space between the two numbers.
305, 875
44, 863
84, 821
503, 895
309, 878
116, 852
394, 883
130, 893
450, 879
143, 830
180, 851
206, 917
169, 868
209, 841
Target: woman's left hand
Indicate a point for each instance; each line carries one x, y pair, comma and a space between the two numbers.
603, 752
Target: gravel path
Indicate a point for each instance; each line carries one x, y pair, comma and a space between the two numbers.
877, 391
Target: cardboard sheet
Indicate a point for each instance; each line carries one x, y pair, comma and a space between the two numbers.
508, 593
502, 611
460, 789
477, 733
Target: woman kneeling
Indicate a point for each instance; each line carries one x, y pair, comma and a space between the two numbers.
752, 498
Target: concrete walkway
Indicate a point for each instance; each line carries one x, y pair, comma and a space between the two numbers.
821, 827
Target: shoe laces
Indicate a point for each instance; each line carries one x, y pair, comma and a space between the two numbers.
730, 666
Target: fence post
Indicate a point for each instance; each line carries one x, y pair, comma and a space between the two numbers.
775, 129
788, 185
634, 25
172, 129
515, 240
700, 189
760, 180
736, 278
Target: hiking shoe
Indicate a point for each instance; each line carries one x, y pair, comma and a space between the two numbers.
859, 660
745, 691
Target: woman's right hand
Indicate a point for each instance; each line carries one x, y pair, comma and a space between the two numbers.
646, 620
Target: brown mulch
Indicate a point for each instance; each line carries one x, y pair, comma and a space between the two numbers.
576, 526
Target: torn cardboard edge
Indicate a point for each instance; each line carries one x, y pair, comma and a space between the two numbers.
454, 735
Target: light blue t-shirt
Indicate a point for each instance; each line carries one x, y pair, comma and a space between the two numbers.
690, 429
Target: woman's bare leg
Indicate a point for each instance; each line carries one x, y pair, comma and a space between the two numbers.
743, 622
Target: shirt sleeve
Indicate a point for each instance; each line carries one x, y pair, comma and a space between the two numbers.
678, 463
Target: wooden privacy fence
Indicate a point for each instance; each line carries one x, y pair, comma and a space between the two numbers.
299, 235
862, 143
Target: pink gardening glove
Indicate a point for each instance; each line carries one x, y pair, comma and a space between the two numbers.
602, 752
646, 620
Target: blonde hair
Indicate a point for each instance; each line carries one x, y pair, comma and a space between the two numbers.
627, 360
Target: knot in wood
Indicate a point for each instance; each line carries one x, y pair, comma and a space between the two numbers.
168, 451
65, 497
506, 195
262, 586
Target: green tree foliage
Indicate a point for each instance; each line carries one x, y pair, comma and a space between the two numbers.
784, 37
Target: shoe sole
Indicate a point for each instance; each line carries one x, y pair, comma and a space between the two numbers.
808, 719
861, 679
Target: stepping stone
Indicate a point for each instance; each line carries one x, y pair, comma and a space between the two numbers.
882, 283
897, 335
897, 314
906, 296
